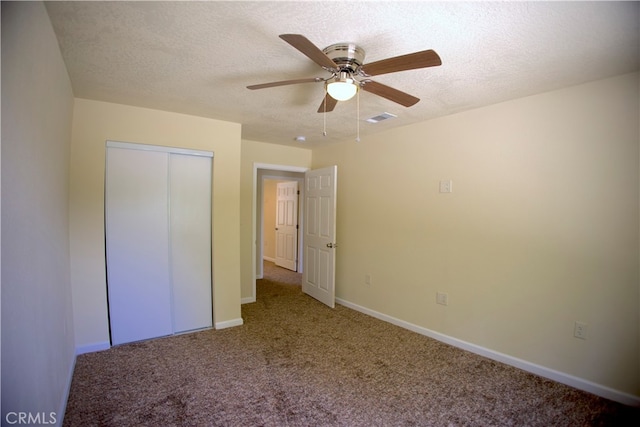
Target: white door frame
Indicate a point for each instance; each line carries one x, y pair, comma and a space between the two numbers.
256, 248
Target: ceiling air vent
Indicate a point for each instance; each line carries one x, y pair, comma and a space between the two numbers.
381, 117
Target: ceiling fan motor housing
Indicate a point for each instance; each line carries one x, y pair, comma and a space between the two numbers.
348, 56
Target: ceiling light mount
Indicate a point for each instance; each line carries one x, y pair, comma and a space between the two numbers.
342, 87
347, 56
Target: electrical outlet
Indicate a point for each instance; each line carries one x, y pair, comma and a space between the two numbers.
442, 298
580, 330
446, 186
367, 279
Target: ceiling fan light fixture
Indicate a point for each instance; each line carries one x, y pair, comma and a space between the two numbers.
342, 87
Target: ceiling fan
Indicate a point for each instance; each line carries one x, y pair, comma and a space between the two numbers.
345, 62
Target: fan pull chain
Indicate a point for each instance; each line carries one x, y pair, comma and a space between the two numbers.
324, 115
358, 116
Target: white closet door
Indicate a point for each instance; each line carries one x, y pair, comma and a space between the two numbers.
190, 225
136, 217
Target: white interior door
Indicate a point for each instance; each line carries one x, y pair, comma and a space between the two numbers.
320, 234
136, 218
287, 224
190, 228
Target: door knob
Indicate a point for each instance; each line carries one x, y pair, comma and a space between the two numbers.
332, 245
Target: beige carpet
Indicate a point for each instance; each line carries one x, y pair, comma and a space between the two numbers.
296, 362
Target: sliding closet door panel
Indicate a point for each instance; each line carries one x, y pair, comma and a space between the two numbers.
137, 221
190, 201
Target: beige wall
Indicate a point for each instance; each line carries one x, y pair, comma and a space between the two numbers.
38, 350
96, 122
254, 152
541, 229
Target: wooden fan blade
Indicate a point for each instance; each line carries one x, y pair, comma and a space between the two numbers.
285, 82
390, 93
329, 102
309, 49
411, 61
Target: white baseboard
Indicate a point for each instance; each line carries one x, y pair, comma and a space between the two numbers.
229, 323
561, 377
90, 348
268, 258
247, 300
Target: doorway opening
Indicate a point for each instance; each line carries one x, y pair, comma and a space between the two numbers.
280, 226
261, 174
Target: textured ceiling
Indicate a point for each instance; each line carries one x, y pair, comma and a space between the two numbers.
198, 57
